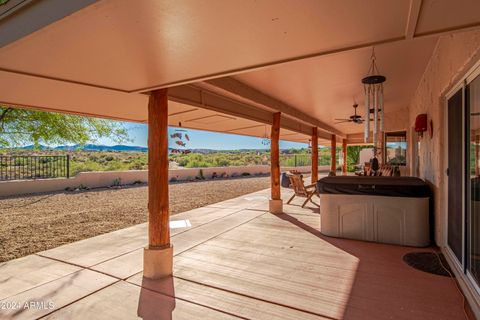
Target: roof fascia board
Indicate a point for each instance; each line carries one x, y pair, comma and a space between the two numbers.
25, 17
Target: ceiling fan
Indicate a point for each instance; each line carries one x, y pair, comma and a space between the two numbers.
354, 118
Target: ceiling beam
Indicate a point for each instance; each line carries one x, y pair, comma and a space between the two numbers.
199, 97
239, 89
413, 15
358, 138
244, 128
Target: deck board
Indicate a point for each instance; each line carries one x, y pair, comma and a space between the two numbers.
126, 301
29, 272
60, 292
230, 302
236, 261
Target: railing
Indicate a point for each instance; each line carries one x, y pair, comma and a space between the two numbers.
295, 160
300, 160
34, 167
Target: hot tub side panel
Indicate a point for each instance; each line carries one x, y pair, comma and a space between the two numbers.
392, 220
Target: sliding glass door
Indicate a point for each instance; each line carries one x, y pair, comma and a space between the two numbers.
463, 159
455, 174
473, 182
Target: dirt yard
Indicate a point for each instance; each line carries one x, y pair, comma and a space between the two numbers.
35, 223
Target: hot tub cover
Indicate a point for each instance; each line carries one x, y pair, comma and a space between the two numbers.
378, 186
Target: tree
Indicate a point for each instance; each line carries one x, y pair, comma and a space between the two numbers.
22, 126
353, 156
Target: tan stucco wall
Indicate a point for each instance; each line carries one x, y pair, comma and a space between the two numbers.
453, 56
106, 178
396, 120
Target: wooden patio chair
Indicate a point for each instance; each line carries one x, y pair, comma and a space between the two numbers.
302, 190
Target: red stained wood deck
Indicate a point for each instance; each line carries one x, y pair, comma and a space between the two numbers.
235, 261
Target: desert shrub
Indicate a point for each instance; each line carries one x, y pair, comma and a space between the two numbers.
135, 166
182, 162
198, 164
116, 182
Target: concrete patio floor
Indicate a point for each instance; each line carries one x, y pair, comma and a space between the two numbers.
234, 261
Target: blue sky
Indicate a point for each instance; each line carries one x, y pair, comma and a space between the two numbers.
200, 139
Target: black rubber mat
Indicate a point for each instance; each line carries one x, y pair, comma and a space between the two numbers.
428, 262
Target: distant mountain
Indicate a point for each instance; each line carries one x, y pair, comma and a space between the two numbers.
124, 148
92, 147
96, 147
31, 147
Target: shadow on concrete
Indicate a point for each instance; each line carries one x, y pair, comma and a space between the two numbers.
157, 299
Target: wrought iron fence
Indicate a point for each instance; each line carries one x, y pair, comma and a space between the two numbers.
34, 167
295, 160
300, 160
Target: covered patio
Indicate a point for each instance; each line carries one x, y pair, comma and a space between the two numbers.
291, 69
235, 261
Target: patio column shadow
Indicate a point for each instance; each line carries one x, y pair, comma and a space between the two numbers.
157, 299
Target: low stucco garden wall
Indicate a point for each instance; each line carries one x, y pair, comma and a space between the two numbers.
110, 178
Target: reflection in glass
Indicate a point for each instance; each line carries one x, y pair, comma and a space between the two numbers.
396, 148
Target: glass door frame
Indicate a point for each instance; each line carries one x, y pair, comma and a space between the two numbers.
460, 266
474, 74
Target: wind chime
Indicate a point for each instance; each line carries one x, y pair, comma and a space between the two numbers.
373, 87
266, 138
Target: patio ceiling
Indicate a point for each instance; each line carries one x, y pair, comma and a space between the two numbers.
308, 56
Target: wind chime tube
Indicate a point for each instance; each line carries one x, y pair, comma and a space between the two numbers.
381, 107
375, 116
367, 113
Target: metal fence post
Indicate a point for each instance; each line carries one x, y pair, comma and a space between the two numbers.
68, 166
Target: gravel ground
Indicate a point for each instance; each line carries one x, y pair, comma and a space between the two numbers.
39, 222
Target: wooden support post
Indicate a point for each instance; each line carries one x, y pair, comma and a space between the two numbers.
275, 204
333, 161
158, 256
314, 155
344, 149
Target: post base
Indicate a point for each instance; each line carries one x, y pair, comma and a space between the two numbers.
157, 263
275, 206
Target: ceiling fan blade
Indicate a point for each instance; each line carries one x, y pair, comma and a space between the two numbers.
343, 121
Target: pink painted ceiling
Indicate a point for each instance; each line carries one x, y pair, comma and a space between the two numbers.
326, 87
310, 54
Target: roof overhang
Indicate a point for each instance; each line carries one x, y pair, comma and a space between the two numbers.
98, 58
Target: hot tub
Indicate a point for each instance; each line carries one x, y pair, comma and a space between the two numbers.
392, 210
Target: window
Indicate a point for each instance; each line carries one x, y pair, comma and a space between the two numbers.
396, 148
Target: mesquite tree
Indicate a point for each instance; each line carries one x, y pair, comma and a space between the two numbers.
20, 126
